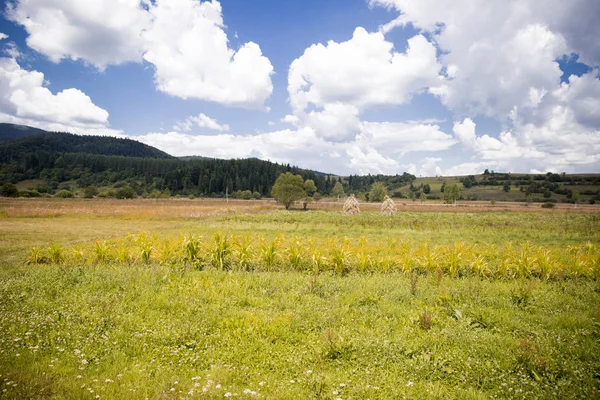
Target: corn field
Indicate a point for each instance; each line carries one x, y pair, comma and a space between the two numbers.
340, 255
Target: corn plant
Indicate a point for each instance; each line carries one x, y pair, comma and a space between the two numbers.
192, 249
101, 252
220, 252
243, 254
36, 256
268, 253
294, 252
339, 260
56, 253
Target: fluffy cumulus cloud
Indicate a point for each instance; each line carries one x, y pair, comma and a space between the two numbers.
329, 85
500, 61
300, 147
25, 100
183, 39
100, 32
377, 148
201, 121
3, 36
189, 49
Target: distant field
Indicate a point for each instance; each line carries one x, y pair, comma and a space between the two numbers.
208, 299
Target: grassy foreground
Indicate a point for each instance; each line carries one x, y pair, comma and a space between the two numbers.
167, 328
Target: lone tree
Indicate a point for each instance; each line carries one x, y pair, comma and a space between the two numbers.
378, 192
310, 188
575, 197
288, 188
451, 194
338, 190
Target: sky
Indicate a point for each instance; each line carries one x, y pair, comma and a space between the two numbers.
338, 86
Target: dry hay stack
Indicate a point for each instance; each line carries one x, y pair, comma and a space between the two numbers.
388, 208
351, 206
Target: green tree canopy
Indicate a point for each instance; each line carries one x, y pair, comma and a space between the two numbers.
310, 187
288, 188
378, 192
338, 190
451, 194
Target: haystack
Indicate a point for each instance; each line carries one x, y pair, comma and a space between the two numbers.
351, 206
388, 208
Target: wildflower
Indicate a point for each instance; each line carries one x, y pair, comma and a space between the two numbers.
84, 362
410, 383
79, 376
218, 386
228, 394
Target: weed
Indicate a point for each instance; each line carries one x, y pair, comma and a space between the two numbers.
425, 320
414, 279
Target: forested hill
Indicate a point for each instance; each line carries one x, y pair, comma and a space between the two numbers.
50, 162
12, 132
58, 142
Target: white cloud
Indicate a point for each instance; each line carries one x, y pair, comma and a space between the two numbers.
398, 139
377, 149
25, 100
100, 32
202, 121
12, 50
3, 36
290, 119
299, 147
183, 39
330, 85
497, 52
189, 49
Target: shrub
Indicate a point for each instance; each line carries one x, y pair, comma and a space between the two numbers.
378, 192
90, 191
126, 192
110, 193
64, 194
29, 193
9, 190
246, 195
256, 196
548, 205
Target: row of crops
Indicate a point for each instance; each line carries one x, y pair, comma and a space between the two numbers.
340, 255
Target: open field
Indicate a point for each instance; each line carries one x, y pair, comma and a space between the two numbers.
203, 299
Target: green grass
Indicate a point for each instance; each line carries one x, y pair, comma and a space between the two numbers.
134, 332
122, 330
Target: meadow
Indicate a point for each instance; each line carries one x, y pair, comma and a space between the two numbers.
206, 299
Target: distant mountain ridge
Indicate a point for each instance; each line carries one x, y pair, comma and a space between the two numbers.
33, 140
12, 132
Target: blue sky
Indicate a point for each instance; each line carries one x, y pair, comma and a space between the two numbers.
354, 86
